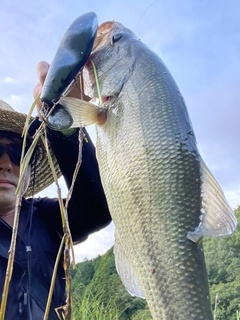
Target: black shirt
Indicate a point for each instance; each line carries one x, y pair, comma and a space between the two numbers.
39, 237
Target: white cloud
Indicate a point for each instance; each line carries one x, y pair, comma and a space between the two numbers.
233, 198
51, 191
16, 100
96, 244
21, 103
9, 80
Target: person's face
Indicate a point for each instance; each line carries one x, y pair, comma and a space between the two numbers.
10, 169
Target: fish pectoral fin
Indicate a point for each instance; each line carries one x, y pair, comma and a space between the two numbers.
83, 113
218, 219
126, 269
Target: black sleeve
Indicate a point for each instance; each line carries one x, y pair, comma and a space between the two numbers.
87, 210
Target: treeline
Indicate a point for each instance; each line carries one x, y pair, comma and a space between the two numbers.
98, 293
223, 264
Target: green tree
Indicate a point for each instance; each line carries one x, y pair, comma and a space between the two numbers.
223, 264
105, 288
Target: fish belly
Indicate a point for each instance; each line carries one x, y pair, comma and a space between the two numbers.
150, 170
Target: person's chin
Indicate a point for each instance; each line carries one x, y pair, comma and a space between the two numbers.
7, 191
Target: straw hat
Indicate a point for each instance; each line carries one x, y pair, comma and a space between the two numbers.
13, 121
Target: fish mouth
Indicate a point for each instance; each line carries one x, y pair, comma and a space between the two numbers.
90, 87
104, 34
108, 99
105, 101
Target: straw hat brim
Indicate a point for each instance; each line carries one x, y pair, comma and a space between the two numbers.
13, 121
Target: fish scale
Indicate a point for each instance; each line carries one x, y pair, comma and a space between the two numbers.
151, 178
160, 194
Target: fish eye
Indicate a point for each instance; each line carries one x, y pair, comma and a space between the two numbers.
116, 37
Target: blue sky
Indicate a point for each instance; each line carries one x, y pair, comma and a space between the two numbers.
199, 41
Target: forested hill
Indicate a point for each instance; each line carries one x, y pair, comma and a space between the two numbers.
223, 264
98, 293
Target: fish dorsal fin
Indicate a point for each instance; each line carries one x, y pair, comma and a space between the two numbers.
218, 218
126, 270
83, 113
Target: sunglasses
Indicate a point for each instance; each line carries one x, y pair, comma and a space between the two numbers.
14, 152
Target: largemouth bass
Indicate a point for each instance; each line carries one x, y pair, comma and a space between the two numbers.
161, 195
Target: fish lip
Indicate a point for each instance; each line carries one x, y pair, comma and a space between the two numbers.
108, 101
106, 98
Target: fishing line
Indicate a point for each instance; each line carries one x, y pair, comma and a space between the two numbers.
28, 247
144, 14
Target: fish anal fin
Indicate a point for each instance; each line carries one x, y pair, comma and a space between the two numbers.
126, 269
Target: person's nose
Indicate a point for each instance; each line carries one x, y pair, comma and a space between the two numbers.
5, 162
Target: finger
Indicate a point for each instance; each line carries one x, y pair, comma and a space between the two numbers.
77, 92
36, 91
42, 70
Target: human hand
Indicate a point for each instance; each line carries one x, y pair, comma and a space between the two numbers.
42, 70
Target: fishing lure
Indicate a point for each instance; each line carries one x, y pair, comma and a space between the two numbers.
72, 53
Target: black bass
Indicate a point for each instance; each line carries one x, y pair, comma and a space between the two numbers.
161, 195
